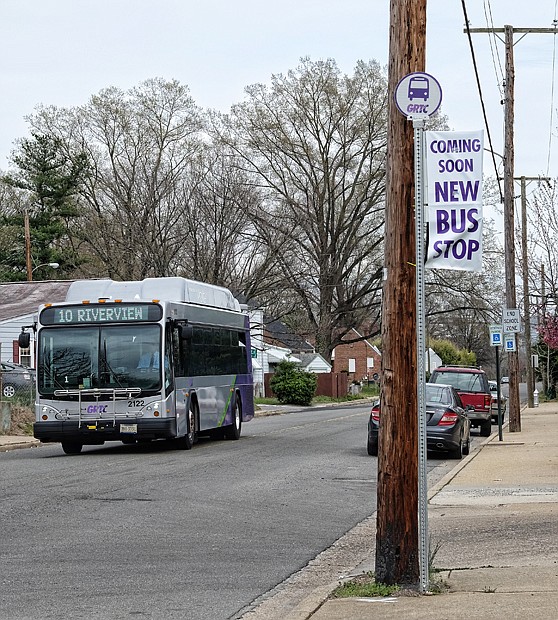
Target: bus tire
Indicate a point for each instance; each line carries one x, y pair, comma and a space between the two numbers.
187, 441
233, 430
72, 447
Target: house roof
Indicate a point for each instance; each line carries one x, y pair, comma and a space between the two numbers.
23, 298
278, 331
307, 358
367, 342
279, 354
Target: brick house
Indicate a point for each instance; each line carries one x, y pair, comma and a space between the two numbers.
361, 360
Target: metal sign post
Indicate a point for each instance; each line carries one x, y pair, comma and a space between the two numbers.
418, 96
496, 341
418, 127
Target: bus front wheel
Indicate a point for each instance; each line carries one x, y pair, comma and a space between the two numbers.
72, 447
187, 441
233, 431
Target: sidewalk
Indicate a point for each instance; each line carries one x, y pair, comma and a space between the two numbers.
495, 520
13, 442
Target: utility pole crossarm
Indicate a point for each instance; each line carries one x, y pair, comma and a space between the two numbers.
518, 30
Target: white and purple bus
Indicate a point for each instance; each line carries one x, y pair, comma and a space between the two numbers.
160, 358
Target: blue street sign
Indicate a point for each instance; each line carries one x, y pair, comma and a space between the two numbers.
495, 335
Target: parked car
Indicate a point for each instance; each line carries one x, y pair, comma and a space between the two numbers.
448, 429
16, 378
505, 380
503, 401
471, 383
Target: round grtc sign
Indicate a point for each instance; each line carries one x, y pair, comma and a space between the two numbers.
418, 95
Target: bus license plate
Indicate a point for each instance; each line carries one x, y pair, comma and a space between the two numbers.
128, 428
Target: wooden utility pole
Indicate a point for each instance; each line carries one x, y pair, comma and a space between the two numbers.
526, 302
509, 229
509, 247
397, 552
27, 232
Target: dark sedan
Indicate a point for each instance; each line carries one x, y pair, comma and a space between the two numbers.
448, 429
16, 379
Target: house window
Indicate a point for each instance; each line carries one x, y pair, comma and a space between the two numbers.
369, 362
352, 364
25, 357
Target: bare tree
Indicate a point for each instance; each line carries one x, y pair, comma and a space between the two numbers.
314, 144
140, 144
222, 245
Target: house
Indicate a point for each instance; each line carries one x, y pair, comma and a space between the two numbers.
313, 362
19, 305
360, 360
432, 361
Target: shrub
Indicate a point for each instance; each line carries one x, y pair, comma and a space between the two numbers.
293, 386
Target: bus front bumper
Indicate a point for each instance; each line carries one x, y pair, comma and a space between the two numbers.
94, 432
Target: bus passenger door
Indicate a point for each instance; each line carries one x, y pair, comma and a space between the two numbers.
174, 346
181, 404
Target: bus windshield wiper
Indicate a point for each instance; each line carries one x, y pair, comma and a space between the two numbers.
108, 366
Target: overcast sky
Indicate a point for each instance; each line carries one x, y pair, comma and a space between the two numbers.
60, 52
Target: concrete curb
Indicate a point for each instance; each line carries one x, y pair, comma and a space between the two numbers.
14, 444
309, 605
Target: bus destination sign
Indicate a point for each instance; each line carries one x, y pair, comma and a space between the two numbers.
101, 313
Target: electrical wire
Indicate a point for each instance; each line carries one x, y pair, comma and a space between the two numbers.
494, 47
481, 98
555, 24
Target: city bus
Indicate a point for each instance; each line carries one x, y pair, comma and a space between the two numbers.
161, 358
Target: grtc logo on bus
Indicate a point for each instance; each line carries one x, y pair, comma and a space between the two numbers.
97, 409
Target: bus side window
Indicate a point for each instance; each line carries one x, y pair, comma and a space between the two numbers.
177, 353
242, 353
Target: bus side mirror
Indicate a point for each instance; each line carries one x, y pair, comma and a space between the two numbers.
186, 332
24, 340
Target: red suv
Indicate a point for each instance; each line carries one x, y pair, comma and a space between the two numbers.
472, 385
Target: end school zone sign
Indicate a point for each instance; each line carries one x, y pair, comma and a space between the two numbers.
454, 190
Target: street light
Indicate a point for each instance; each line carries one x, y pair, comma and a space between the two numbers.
51, 265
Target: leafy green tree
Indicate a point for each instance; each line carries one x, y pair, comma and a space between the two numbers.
452, 355
43, 186
292, 385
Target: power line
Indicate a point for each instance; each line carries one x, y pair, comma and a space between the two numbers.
481, 97
555, 24
494, 48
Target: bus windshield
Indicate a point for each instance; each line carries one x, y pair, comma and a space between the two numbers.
105, 357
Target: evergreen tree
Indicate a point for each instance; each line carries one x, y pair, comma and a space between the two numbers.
45, 183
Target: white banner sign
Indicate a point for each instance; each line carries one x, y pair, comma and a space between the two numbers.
454, 199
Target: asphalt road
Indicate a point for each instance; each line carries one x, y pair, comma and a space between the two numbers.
148, 531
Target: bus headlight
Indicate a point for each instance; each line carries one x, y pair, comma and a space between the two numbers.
154, 408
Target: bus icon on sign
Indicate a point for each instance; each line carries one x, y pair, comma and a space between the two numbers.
419, 88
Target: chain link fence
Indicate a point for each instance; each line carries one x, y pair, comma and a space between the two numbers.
17, 398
